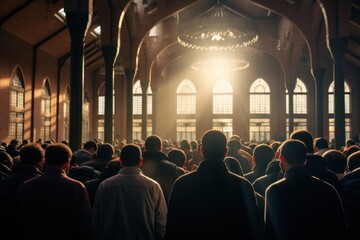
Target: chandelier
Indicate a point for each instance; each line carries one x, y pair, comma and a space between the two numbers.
223, 65
218, 29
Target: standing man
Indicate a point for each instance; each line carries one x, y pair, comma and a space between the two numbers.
129, 205
300, 206
53, 206
211, 202
158, 167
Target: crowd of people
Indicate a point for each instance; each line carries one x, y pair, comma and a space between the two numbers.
212, 188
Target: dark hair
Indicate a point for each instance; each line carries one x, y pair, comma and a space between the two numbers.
350, 150
234, 144
32, 153
177, 156
184, 144
294, 152
304, 136
214, 144
130, 155
321, 143
233, 165
194, 144
6, 159
90, 144
153, 143
105, 151
336, 161
57, 154
353, 161
263, 155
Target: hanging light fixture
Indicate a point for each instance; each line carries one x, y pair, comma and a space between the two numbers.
218, 29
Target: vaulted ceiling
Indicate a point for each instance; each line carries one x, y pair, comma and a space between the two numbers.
282, 24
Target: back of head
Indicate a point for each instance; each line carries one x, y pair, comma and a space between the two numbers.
14, 142
304, 136
263, 154
153, 143
165, 143
57, 154
130, 155
194, 145
321, 143
185, 145
32, 153
353, 161
214, 145
350, 142
234, 144
90, 144
294, 152
6, 159
273, 167
336, 161
233, 165
105, 151
177, 156
350, 150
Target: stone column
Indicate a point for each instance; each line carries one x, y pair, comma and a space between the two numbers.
338, 49
318, 75
129, 73
78, 18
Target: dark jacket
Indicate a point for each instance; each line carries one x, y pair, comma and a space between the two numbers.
82, 156
300, 206
156, 165
213, 203
8, 188
53, 206
351, 200
317, 166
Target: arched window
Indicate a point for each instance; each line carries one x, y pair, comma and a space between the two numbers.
259, 97
17, 105
331, 109
101, 111
223, 107
86, 118
259, 123
67, 113
299, 108
45, 111
137, 110
186, 110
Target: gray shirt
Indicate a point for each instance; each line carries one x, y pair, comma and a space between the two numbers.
129, 205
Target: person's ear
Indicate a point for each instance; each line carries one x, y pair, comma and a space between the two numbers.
226, 151
202, 150
67, 164
282, 159
141, 162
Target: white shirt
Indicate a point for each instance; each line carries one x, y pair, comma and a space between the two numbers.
129, 205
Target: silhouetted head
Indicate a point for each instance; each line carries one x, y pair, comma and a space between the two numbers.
233, 165
57, 154
32, 153
177, 156
214, 145
105, 151
130, 155
293, 151
353, 161
304, 136
153, 143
